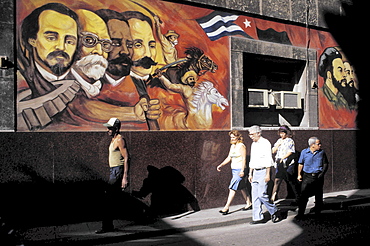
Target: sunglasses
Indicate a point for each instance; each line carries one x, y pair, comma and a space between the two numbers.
90, 40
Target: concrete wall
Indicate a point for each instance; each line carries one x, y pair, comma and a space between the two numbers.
7, 111
311, 12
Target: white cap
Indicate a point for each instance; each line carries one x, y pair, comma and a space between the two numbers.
112, 122
254, 129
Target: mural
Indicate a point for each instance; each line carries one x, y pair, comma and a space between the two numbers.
146, 62
338, 93
155, 65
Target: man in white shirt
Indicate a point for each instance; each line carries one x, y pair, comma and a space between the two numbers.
259, 176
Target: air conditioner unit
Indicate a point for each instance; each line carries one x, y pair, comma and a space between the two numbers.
258, 98
286, 99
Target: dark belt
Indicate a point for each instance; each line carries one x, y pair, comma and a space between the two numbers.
259, 169
313, 174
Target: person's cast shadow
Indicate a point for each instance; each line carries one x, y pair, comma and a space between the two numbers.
168, 195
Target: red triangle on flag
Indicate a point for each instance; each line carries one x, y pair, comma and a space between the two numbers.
248, 25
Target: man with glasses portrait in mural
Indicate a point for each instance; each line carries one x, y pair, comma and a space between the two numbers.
90, 71
94, 48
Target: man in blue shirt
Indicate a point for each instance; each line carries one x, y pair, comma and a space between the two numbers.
313, 164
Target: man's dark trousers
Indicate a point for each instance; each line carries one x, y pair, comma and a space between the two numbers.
113, 194
312, 185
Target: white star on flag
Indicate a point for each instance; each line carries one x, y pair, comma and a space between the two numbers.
247, 23
220, 24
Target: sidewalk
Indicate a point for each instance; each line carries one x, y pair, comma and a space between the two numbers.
84, 233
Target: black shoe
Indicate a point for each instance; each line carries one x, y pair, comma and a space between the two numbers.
299, 217
224, 212
294, 204
248, 208
276, 217
255, 222
102, 231
315, 210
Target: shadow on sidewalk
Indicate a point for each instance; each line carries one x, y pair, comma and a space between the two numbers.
45, 213
343, 220
168, 195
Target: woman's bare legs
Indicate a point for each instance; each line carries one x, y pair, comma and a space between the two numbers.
231, 196
247, 198
275, 190
229, 200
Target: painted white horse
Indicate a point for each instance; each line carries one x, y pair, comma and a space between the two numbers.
200, 106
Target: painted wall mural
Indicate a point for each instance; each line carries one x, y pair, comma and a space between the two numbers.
146, 62
338, 93
155, 65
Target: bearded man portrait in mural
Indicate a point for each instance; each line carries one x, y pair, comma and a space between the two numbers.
350, 89
337, 105
48, 46
331, 68
352, 95
46, 51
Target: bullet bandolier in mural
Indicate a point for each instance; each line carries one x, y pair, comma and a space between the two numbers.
155, 65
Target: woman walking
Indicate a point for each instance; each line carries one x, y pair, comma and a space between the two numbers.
237, 157
285, 150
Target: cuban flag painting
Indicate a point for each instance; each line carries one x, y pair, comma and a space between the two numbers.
219, 24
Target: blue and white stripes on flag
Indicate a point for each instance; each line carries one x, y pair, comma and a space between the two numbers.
219, 24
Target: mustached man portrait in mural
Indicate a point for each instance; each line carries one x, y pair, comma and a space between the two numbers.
83, 62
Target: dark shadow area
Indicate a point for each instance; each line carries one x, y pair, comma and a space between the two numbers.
344, 220
168, 195
356, 52
45, 206
343, 202
53, 182
334, 227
